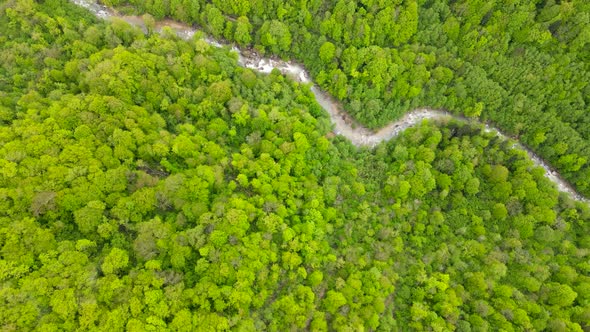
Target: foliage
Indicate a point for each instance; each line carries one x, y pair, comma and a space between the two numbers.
525, 66
148, 183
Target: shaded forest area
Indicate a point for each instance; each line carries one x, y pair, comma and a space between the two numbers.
524, 65
150, 183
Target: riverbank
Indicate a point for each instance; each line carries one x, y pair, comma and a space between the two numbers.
343, 124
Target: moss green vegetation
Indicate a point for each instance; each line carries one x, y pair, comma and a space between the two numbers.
148, 183
524, 65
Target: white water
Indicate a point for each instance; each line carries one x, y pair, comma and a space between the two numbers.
343, 125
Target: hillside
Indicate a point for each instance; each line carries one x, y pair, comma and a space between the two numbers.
151, 183
520, 65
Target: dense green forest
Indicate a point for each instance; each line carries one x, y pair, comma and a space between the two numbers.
524, 65
150, 184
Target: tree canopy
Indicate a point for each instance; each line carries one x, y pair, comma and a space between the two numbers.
150, 183
525, 66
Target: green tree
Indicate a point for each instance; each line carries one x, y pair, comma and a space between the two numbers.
276, 36
116, 260
559, 294
334, 300
243, 34
327, 52
90, 216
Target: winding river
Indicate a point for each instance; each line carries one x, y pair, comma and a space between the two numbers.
343, 124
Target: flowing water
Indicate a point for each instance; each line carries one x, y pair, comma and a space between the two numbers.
343, 123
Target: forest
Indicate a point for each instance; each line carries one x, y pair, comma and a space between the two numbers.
149, 183
522, 65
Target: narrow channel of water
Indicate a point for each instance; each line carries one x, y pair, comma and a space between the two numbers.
343, 125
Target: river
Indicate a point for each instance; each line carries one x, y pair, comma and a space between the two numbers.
343, 124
